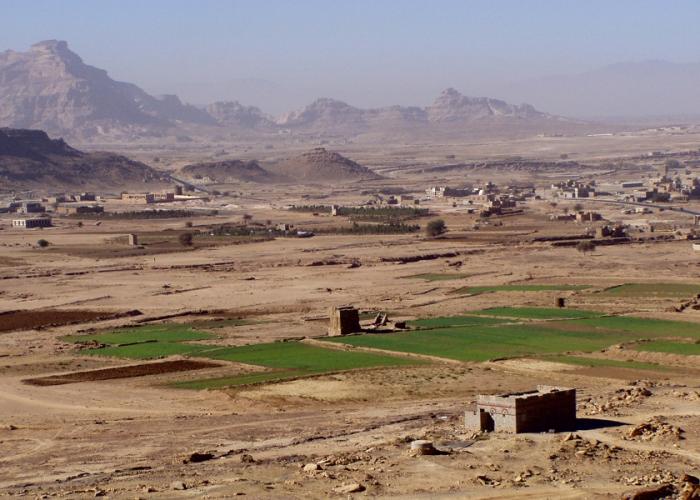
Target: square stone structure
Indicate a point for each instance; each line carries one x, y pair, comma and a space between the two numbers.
547, 408
32, 223
344, 320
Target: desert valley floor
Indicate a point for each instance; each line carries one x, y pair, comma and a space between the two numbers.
164, 370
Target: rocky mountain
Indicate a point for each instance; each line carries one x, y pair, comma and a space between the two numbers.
450, 115
328, 115
235, 114
451, 106
51, 88
29, 159
321, 166
228, 171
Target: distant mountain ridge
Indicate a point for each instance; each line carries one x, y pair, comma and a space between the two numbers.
51, 88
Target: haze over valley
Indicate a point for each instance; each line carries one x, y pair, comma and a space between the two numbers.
358, 249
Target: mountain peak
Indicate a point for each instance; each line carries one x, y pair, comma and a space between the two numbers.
50, 45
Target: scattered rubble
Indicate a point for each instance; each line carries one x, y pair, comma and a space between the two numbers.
654, 429
634, 394
349, 488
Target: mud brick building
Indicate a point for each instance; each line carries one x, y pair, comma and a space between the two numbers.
547, 408
32, 223
344, 320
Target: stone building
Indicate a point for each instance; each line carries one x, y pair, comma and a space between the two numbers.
343, 320
547, 408
138, 197
32, 223
79, 209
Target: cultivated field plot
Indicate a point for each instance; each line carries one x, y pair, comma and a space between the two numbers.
290, 360
476, 290
537, 313
683, 348
151, 333
284, 359
122, 372
663, 290
33, 319
460, 339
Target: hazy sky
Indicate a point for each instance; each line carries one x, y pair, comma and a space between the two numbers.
282, 54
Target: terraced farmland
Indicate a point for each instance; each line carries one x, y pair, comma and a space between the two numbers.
476, 290
667, 290
537, 313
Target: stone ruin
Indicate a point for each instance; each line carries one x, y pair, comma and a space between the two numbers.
344, 320
545, 409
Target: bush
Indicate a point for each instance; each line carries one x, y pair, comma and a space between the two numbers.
585, 246
188, 224
42, 243
185, 239
435, 228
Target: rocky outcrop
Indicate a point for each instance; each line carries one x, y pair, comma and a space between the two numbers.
451, 106
229, 171
320, 165
29, 159
235, 114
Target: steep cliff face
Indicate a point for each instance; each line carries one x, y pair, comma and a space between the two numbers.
51, 88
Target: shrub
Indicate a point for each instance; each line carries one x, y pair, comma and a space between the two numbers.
435, 227
585, 246
42, 243
185, 239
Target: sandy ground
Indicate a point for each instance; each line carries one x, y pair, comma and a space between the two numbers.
128, 438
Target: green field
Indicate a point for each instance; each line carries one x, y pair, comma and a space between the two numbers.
670, 347
286, 359
290, 360
442, 337
536, 313
150, 333
150, 350
475, 290
298, 356
437, 276
639, 327
594, 362
446, 321
479, 336
482, 343
670, 290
